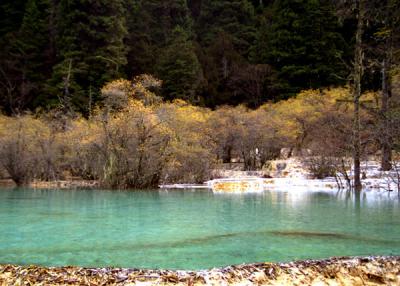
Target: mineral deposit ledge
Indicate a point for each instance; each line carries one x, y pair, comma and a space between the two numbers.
379, 270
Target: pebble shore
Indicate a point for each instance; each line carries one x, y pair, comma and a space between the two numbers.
379, 270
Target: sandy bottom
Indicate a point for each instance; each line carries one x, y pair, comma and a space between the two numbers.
333, 271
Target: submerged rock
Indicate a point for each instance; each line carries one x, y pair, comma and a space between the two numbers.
333, 271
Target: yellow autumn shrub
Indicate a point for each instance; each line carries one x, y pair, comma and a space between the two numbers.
134, 140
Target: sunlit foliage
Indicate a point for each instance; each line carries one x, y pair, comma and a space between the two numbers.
135, 140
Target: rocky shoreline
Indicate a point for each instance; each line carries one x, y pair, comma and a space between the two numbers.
378, 270
282, 174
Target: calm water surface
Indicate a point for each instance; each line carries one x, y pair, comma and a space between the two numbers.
192, 229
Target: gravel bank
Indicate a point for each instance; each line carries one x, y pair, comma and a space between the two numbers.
333, 271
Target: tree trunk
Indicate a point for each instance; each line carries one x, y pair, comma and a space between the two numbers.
357, 146
358, 73
385, 136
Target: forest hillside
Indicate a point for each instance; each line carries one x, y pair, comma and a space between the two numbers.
60, 53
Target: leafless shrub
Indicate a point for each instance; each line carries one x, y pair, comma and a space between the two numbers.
17, 153
130, 149
392, 177
320, 167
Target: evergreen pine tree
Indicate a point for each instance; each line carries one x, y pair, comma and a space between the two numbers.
11, 15
33, 40
160, 42
90, 44
303, 44
141, 46
150, 26
232, 17
24, 61
179, 67
225, 31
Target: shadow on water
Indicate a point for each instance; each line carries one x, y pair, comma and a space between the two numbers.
307, 234
295, 234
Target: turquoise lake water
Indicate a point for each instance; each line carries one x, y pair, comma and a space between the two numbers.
192, 229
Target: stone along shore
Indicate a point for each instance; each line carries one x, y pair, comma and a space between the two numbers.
334, 271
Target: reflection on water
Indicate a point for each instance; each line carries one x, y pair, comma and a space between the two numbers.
192, 229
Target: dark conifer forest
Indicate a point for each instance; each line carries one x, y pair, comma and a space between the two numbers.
207, 52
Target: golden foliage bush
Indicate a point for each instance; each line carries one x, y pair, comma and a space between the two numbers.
29, 149
191, 149
137, 141
118, 93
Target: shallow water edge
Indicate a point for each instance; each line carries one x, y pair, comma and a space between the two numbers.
370, 270
192, 230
